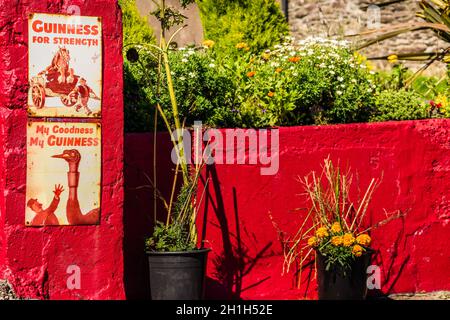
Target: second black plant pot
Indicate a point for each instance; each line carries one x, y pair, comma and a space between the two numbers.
177, 275
335, 284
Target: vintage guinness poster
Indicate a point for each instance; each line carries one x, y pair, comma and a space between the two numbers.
63, 173
64, 66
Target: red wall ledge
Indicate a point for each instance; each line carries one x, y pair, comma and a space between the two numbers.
246, 263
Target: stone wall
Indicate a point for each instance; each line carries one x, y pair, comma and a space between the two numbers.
346, 17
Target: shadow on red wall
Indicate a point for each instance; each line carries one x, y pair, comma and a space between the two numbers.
234, 261
139, 205
246, 261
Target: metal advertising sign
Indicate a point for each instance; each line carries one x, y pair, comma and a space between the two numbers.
65, 66
63, 173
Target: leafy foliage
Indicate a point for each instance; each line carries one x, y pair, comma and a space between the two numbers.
176, 234
314, 81
136, 29
399, 105
138, 98
259, 23
169, 238
205, 91
231, 83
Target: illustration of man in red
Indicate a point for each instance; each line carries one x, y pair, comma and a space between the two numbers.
46, 217
83, 92
60, 64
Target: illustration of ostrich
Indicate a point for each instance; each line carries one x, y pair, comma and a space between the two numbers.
73, 211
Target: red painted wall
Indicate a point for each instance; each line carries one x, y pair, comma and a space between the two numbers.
139, 211
246, 262
35, 260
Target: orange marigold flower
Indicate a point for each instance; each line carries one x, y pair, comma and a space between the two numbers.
357, 250
278, 70
313, 242
363, 239
348, 240
322, 231
336, 227
336, 241
208, 43
294, 59
271, 94
251, 74
242, 45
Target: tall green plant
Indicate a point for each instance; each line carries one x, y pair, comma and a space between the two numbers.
178, 232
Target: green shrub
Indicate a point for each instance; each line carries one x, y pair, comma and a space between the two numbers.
314, 81
139, 105
258, 23
136, 29
399, 105
203, 90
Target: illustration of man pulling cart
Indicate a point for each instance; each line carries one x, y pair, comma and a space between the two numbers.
59, 80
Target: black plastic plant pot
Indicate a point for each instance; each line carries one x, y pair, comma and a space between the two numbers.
335, 284
177, 275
